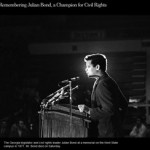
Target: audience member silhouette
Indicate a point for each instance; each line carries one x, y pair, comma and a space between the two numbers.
139, 130
19, 130
4, 130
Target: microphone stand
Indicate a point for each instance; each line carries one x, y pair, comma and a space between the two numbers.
70, 86
42, 121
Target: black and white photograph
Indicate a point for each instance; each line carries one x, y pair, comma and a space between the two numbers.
74, 73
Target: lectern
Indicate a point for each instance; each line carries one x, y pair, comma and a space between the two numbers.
58, 122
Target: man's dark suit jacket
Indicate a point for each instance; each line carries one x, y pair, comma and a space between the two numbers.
108, 106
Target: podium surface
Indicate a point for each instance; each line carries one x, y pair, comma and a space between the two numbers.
60, 121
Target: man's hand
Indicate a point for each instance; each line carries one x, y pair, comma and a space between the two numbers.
84, 108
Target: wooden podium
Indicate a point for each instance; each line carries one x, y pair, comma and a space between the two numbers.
59, 122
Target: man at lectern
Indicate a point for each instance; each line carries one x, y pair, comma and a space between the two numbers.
108, 104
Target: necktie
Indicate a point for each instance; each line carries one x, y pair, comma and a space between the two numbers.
94, 86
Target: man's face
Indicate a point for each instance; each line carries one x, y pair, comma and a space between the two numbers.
90, 70
21, 123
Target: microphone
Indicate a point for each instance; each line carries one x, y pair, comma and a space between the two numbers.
71, 79
76, 87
